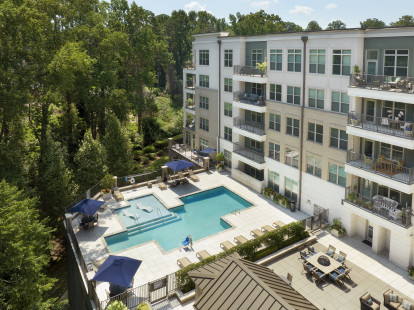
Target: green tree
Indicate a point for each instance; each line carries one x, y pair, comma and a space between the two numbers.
292, 27
118, 148
372, 23
90, 162
256, 23
150, 130
336, 25
24, 252
405, 20
117, 305
313, 26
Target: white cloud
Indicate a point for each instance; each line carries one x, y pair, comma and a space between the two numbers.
331, 6
301, 10
194, 6
276, 1
260, 4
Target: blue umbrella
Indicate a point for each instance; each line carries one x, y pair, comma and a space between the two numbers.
87, 206
117, 270
208, 151
179, 165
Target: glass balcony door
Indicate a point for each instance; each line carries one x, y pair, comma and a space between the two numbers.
370, 111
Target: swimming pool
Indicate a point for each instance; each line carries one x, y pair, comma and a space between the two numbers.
200, 216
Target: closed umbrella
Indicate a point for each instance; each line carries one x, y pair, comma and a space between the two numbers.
87, 206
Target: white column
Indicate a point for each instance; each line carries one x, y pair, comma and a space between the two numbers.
379, 238
401, 249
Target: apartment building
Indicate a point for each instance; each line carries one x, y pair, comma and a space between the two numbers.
310, 128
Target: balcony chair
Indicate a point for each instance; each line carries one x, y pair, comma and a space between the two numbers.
345, 271
336, 277
318, 275
331, 251
311, 250
307, 268
303, 255
341, 258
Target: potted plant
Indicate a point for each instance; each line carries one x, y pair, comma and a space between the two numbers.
357, 78
220, 161
336, 228
411, 272
262, 67
351, 196
107, 183
354, 119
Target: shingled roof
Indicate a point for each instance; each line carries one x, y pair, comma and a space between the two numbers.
232, 282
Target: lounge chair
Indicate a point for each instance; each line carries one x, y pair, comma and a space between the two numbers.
278, 224
203, 254
193, 177
187, 242
182, 178
240, 239
161, 184
267, 228
145, 208
184, 262
226, 245
131, 215
257, 233
117, 194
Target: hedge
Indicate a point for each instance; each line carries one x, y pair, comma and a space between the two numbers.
274, 240
149, 149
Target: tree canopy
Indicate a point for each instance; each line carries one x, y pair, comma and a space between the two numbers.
372, 23
405, 20
313, 26
336, 25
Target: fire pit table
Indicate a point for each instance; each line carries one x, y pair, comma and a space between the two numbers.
323, 262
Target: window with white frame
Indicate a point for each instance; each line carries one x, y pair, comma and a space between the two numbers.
204, 57
396, 62
339, 139
256, 117
227, 158
294, 60
203, 143
228, 58
274, 121
257, 89
257, 57
394, 110
276, 60
337, 174
274, 151
293, 95
340, 102
204, 124
316, 98
228, 109
317, 60
256, 145
292, 126
292, 157
276, 92
315, 133
228, 85
391, 151
314, 165
204, 103
341, 62
291, 189
228, 133
204, 81
273, 180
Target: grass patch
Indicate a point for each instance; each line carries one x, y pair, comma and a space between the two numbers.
156, 164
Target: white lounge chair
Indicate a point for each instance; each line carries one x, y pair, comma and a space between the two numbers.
145, 208
131, 215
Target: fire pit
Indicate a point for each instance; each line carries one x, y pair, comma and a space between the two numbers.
324, 260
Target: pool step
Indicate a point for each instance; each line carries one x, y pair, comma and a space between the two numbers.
140, 223
153, 224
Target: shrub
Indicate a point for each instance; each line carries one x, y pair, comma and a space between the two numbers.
220, 157
151, 156
156, 164
178, 139
117, 305
145, 160
337, 224
160, 152
137, 155
107, 182
161, 144
138, 169
149, 149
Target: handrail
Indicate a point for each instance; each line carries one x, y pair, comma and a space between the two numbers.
255, 156
253, 127
248, 70
383, 82
249, 98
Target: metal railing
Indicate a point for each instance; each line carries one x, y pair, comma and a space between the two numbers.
383, 82
255, 156
252, 127
249, 98
385, 125
190, 65
248, 70
378, 164
190, 84
367, 204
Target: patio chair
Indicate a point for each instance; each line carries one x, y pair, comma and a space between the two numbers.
344, 271
161, 184
331, 251
182, 178
307, 268
267, 228
187, 242
203, 254
368, 302
318, 275
336, 277
184, 262
289, 277
256, 233
226, 245
303, 255
240, 239
149, 184
278, 224
311, 250
193, 177
341, 258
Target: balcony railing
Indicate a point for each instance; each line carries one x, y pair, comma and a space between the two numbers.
247, 70
190, 84
383, 166
249, 98
400, 216
385, 125
190, 105
190, 126
190, 65
252, 127
383, 82
249, 154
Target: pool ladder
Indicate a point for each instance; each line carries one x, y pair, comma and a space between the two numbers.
160, 215
236, 211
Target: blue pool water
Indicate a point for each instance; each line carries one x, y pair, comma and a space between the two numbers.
198, 217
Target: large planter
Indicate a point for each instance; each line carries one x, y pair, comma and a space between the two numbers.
336, 233
107, 196
354, 122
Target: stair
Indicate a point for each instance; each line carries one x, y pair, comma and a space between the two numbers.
151, 224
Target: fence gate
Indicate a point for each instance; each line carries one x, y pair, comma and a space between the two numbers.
158, 289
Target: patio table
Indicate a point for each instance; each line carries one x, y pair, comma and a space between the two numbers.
325, 269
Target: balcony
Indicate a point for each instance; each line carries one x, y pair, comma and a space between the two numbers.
244, 178
252, 130
396, 215
190, 106
249, 101
382, 87
190, 85
189, 65
191, 126
249, 74
255, 157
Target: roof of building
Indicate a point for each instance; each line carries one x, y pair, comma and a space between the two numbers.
232, 282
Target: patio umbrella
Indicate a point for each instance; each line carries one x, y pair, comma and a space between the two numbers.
179, 165
207, 151
87, 206
117, 270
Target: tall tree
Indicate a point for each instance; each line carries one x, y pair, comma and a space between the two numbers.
256, 23
372, 23
405, 20
292, 27
336, 25
313, 26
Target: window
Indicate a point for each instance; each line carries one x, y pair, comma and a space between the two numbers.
294, 60
339, 139
341, 62
204, 102
314, 166
276, 92
228, 109
204, 81
228, 132
316, 98
253, 172
340, 102
203, 144
256, 145
273, 180
292, 126
315, 132
228, 85
372, 62
337, 175
276, 60
227, 158
291, 189
228, 58
257, 57
396, 62
274, 121
187, 138
204, 57
292, 157
256, 117
393, 110
256, 89
204, 124
274, 151
317, 61
293, 95
392, 151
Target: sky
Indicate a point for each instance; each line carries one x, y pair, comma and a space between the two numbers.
351, 12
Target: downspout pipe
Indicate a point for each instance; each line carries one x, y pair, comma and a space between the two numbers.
302, 121
219, 99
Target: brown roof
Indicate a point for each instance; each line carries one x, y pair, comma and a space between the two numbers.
232, 282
